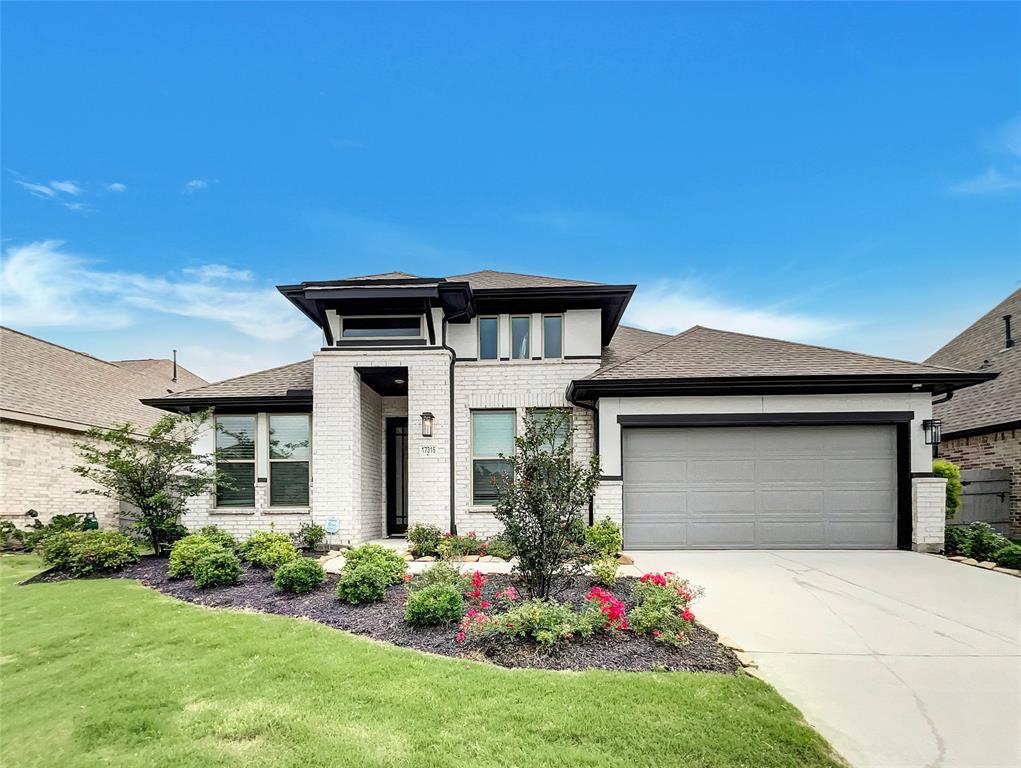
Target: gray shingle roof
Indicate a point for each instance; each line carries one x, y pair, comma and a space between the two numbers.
628, 342
40, 379
488, 279
981, 347
273, 382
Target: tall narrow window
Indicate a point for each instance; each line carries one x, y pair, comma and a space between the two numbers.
563, 423
489, 336
288, 459
519, 337
492, 434
235, 444
552, 336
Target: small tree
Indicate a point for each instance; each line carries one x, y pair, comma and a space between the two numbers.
542, 501
153, 472
952, 473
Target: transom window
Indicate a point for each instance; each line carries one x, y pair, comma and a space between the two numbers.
552, 336
520, 327
235, 445
288, 459
381, 327
492, 435
489, 338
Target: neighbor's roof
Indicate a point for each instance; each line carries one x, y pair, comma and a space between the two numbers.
273, 382
44, 381
982, 347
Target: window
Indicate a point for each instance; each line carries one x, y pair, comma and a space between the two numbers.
288, 459
489, 334
492, 434
235, 445
552, 336
381, 327
519, 337
538, 415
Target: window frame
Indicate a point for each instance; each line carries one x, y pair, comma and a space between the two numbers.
528, 337
471, 452
253, 461
270, 461
478, 336
543, 322
345, 318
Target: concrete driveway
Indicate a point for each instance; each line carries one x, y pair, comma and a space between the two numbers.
899, 659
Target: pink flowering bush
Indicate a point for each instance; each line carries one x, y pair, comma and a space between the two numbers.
662, 609
612, 609
542, 622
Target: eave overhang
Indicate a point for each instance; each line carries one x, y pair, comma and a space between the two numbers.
296, 400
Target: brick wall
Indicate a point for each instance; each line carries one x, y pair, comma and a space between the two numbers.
928, 513
370, 511
996, 450
35, 473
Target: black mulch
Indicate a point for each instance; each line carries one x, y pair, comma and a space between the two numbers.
385, 621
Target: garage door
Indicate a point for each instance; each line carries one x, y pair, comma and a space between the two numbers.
760, 487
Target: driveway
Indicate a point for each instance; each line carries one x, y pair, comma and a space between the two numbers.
898, 658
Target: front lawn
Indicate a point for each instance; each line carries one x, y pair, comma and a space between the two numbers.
107, 672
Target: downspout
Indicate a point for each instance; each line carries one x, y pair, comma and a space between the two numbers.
595, 441
450, 451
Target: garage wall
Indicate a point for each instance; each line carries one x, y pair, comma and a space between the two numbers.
611, 407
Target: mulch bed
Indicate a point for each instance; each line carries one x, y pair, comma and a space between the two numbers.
385, 621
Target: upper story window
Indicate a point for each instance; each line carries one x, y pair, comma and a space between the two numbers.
520, 327
235, 444
381, 327
288, 459
489, 338
553, 336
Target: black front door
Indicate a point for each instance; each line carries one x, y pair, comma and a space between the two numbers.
396, 476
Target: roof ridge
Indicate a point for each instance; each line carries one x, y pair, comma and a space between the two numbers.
242, 376
646, 352
998, 308
59, 346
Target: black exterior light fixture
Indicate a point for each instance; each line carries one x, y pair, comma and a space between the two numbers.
427, 424
933, 431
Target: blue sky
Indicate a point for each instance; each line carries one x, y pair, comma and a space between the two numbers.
838, 174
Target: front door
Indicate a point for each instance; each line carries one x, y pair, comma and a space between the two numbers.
396, 476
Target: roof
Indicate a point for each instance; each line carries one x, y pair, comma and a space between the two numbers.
487, 279
630, 342
982, 346
44, 381
273, 382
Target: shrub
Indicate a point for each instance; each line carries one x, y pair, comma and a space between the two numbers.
87, 552
952, 473
309, 536
605, 537
188, 551
604, 571
11, 537
613, 611
365, 583
543, 622
56, 549
217, 569
58, 524
1008, 556
424, 540
269, 549
498, 546
219, 536
955, 540
384, 558
453, 545
299, 576
662, 610
434, 604
441, 573
983, 541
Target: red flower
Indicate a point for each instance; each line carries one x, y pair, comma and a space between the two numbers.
656, 578
407, 578
484, 604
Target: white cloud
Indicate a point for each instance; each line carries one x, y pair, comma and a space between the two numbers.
116, 187
218, 272
39, 190
1004, 178
347, 144
196, 184
68, 187
989, 183
674, 306
78, 207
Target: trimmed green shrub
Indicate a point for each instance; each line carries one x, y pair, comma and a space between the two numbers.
434, 604
56, 548
39, 533
499, 546
11, 537
983, 541
269, 549
605, 537
309, 536
459, 546
365, 583
441, 573
663, 608
424, 540
1008, 556
217, 569
85, 553
543, 622
604, 571
188, 551
299, 576
384, 558
219, 536
952, 473
955, 539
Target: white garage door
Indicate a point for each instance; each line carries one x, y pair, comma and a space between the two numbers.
760, 487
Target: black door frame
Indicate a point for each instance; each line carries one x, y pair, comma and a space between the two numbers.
394, 527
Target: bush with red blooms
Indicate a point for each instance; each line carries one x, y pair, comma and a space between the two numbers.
541, 622
662, 609
598, 599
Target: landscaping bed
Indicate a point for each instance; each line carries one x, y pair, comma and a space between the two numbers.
385, 621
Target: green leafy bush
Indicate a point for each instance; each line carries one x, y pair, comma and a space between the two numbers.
365, 583
952, 473
434, 604
955, 540
1008, 556
217, 569
604, 571
39, 533
269, 549
459, 546
662, 610
441, 573
299, 576
543, 622
188, 551
219, 536
424, 540
384, 558
605, 537
499, 546
309, 536
56, 549
85, 553
11, 537
983, 541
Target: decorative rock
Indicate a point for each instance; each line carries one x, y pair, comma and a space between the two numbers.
987, 564
1011, 571
958, 558
970, 561
426, 559
625, 560
754, 672
487, 559
724, 640
470, 559
745, 659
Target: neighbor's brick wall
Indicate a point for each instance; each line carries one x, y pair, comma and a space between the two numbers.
35, 473
996, 450
928, 513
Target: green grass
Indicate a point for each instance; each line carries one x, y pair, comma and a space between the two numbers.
106, 672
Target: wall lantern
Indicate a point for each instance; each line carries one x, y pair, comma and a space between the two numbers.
933, 431
427, 424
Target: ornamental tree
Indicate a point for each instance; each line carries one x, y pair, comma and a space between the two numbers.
542, 503
152, 472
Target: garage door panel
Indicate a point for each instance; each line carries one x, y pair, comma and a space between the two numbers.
769, 487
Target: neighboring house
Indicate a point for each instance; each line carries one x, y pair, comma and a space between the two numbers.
49, 396
707, 439
982, 425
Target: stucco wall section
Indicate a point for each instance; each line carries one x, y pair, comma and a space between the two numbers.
996, 450
928, 513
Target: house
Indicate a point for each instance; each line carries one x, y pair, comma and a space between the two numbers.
49, 396
982, 424
707, 438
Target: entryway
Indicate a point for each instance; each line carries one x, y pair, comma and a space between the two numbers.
396, 475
